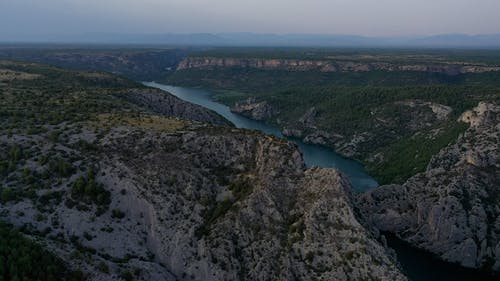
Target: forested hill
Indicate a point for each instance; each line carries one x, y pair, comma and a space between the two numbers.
140, 64
369, 104
110, 180
391, 109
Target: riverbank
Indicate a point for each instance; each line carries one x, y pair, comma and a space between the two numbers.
314, 155
417, 264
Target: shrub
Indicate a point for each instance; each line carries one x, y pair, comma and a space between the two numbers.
127, 275
22, 259
61, 168
87, 190
103, 267
117, 214
7, 194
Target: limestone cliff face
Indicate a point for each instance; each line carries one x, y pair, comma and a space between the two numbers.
127, 183
324, 65
413, 116
257, 110
169, 105
207, 203
271, 64
243, 207
453, 208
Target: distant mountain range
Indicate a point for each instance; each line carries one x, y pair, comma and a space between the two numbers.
267, 40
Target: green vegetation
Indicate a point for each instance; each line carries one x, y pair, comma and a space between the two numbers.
393, 55
140, 64
52, 123
103, 267
409, 156
7, 194
117, 214
88, 191
57, 96
44, 112
21, 259
127, 275
369, 103
10, 158
60, 167
240, 189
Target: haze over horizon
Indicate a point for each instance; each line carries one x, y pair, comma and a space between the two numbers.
33, 19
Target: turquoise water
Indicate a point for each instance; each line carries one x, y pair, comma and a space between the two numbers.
417, 264
314, 155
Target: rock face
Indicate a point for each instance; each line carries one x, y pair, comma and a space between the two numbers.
248, 210
111, 180
442, 112
325, 65
254, 109
214, 204
387, 123
169, 105
453, 208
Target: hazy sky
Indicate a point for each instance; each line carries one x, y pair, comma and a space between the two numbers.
361, 17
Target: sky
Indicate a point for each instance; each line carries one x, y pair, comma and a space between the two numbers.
35, 18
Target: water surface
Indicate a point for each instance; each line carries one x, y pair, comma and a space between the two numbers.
314, 155
419, 265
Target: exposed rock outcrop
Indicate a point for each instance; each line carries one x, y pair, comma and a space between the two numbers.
213, 204
387, 123
7, 75
120, 184
442, 112
171, 106
453, 208
326, 65
252, 108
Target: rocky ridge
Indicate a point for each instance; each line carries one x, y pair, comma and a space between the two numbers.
254, 109
452, 209
208, 203
325, 65
169, 105
413, 116
120, 187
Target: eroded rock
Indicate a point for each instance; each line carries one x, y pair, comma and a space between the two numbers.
453, 208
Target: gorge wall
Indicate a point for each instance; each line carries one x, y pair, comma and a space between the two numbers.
326, 65
451, 209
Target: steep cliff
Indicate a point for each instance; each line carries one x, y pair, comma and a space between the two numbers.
325, 65
451, 209
171, 106
119, 187
370, 107
254, 109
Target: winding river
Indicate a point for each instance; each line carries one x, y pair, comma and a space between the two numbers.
417, 264
314, 155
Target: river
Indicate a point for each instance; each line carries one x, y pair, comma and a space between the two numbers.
418, 265
314, 155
